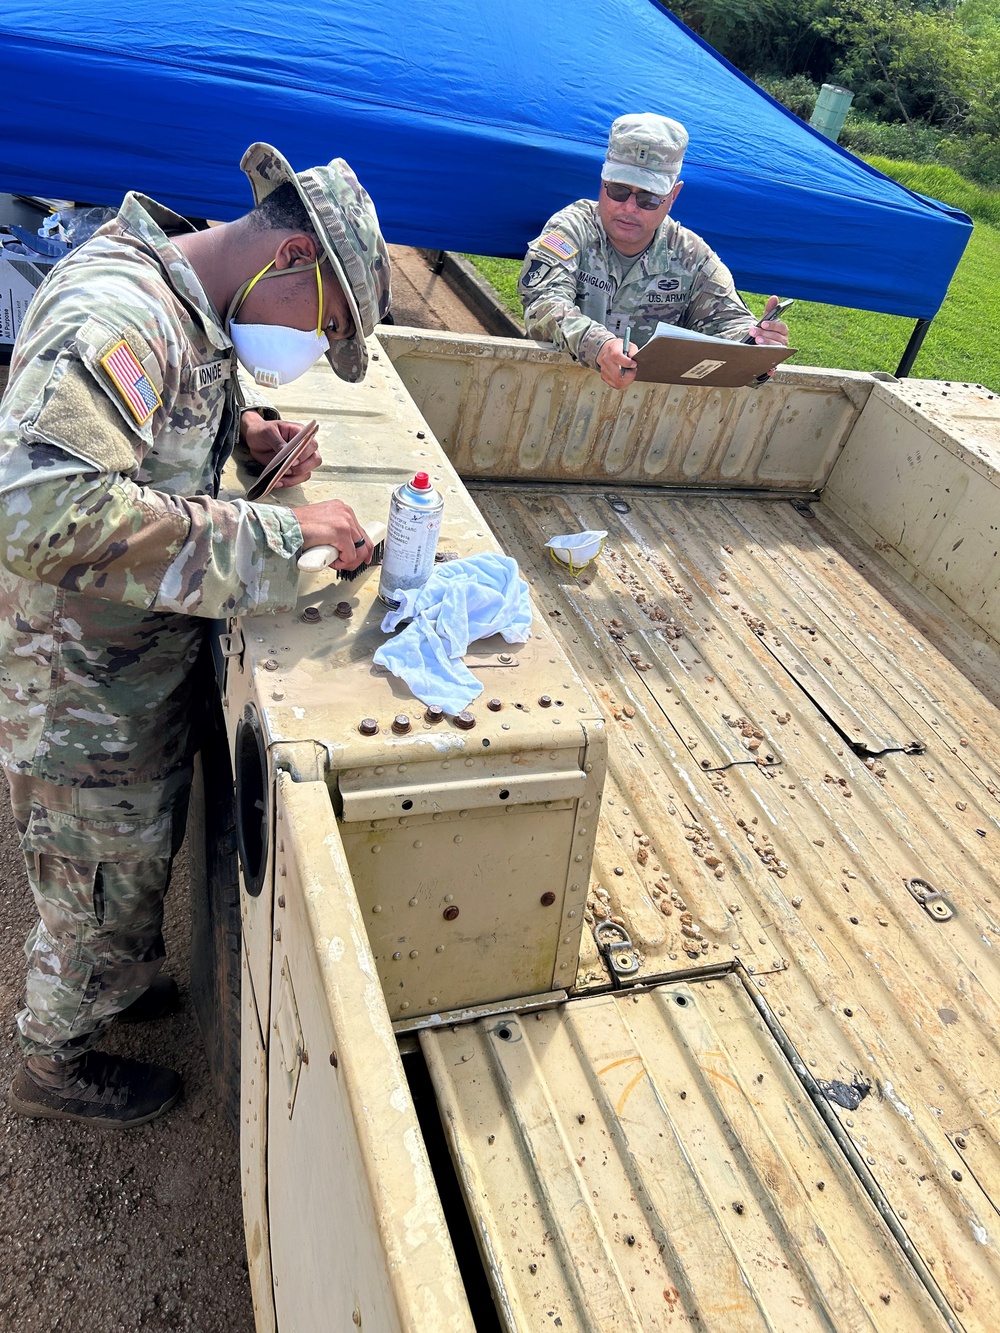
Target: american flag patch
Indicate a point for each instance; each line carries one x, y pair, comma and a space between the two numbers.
132, 382
558, 245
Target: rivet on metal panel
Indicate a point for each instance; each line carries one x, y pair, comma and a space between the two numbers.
356, 1316
465, 720
277, 932
396, 956
334, 1059
547, 899
270, 664
281, 900
368, 726
434, 713
401, 724
449, 913
344, 610
457, 837
376, 849
545, 701
376, 908
414, 953
311, 615
405, 1004
439, 948
494, 705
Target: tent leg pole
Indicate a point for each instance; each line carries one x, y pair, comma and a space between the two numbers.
912, 348
438, 264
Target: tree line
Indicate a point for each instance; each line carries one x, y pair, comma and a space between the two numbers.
925, 73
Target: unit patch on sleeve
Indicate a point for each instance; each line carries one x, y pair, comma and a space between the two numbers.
558, 245
131, 381
535, 273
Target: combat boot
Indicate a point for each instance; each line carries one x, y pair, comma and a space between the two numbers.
95, 1089
158, 1000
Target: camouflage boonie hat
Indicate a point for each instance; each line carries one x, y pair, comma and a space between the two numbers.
346, 223
646, 151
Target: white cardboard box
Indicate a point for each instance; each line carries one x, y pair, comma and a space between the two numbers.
20, 278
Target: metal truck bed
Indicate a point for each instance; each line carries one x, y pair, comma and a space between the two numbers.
795, 736
764, 1092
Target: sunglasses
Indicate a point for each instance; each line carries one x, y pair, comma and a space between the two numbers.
643, 198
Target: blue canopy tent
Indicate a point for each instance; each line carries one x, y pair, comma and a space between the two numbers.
468, 123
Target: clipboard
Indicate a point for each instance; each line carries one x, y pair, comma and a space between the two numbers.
677, 356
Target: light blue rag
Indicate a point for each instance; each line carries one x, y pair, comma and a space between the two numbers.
463, 600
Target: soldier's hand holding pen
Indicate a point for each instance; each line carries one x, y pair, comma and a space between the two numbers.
266, 438
616, 366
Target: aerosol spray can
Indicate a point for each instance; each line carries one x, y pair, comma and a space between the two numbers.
411, 537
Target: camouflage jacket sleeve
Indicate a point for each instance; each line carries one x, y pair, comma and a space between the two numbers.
716, 307
73, 514
547, 288
254, 400
103, 535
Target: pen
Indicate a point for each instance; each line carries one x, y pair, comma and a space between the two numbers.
628, 330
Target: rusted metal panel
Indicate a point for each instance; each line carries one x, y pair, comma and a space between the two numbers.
920, 481
797, 865
515, 408
650, 1161
357, 1234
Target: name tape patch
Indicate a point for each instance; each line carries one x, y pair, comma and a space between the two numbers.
213, 372
132, 382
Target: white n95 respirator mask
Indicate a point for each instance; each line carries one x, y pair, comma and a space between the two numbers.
276, 354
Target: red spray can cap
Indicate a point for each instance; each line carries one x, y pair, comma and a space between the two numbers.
421, 482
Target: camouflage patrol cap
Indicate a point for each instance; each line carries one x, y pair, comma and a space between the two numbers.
346, 223
645, 151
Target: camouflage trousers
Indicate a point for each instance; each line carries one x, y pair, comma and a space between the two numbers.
98, 862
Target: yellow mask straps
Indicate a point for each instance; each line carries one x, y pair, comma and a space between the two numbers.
241, 296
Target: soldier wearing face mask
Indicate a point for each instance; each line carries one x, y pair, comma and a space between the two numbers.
620, 264
122, 407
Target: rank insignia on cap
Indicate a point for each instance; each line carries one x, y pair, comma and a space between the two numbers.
131, 381
558, 245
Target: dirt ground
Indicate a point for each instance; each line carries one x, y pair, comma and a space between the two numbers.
117, 1231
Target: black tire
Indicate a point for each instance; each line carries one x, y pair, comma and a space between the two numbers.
216, 931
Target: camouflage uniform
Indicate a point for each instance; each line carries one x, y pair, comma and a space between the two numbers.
578, 291
116, 556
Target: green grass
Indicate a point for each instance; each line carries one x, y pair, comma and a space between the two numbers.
964, 341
